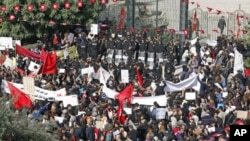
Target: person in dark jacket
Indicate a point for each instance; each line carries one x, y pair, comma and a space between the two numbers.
90, 134
132, 134
221, 24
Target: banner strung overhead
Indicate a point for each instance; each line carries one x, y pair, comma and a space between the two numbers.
40, 94
187, 84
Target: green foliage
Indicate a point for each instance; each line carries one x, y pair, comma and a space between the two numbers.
248, 34
16, 126
247, 62
25, 25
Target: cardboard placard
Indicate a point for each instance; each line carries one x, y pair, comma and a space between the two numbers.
32, 66
160, 113
7, 42
61, 71
70, 100
242, 114
59, 119
124, 76
224, 94
88, 70
190, 95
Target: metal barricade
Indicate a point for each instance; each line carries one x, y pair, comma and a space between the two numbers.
150, 60
159, 57
118, 56
110, 56
125, 59
142, 56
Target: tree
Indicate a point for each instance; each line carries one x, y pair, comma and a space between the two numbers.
15, 127
248, 33
37, 22
247, 57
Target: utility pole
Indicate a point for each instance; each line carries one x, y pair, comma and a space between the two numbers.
133, 14
156, 19
130, 19
183, 19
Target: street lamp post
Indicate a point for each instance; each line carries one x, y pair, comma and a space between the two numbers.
183, 20
133, 14
156, 19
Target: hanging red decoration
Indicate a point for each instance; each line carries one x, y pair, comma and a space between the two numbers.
43, 7
55, 6
231, 31
132, 29
103, 2
92, 1
79, 4
114, 0
172, 30
67, 5
17, 8
198, 5
158, 30
30, 7
3, 8
216, 31
1, 20
202, 31
244, 31
218, 12
209, 9
12, 17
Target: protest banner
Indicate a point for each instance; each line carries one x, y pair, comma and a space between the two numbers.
238, 62
161, 100
29, 86
128, 111
187, 83
40, 94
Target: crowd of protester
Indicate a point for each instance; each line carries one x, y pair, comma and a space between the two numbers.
184, 121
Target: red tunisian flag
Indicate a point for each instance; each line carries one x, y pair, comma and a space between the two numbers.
238, 19
49, 65
139, 77
27, 53
194, 24
247, 72
126, 93
122, 18
20, 99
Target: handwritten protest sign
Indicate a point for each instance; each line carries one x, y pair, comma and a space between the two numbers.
160, 113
